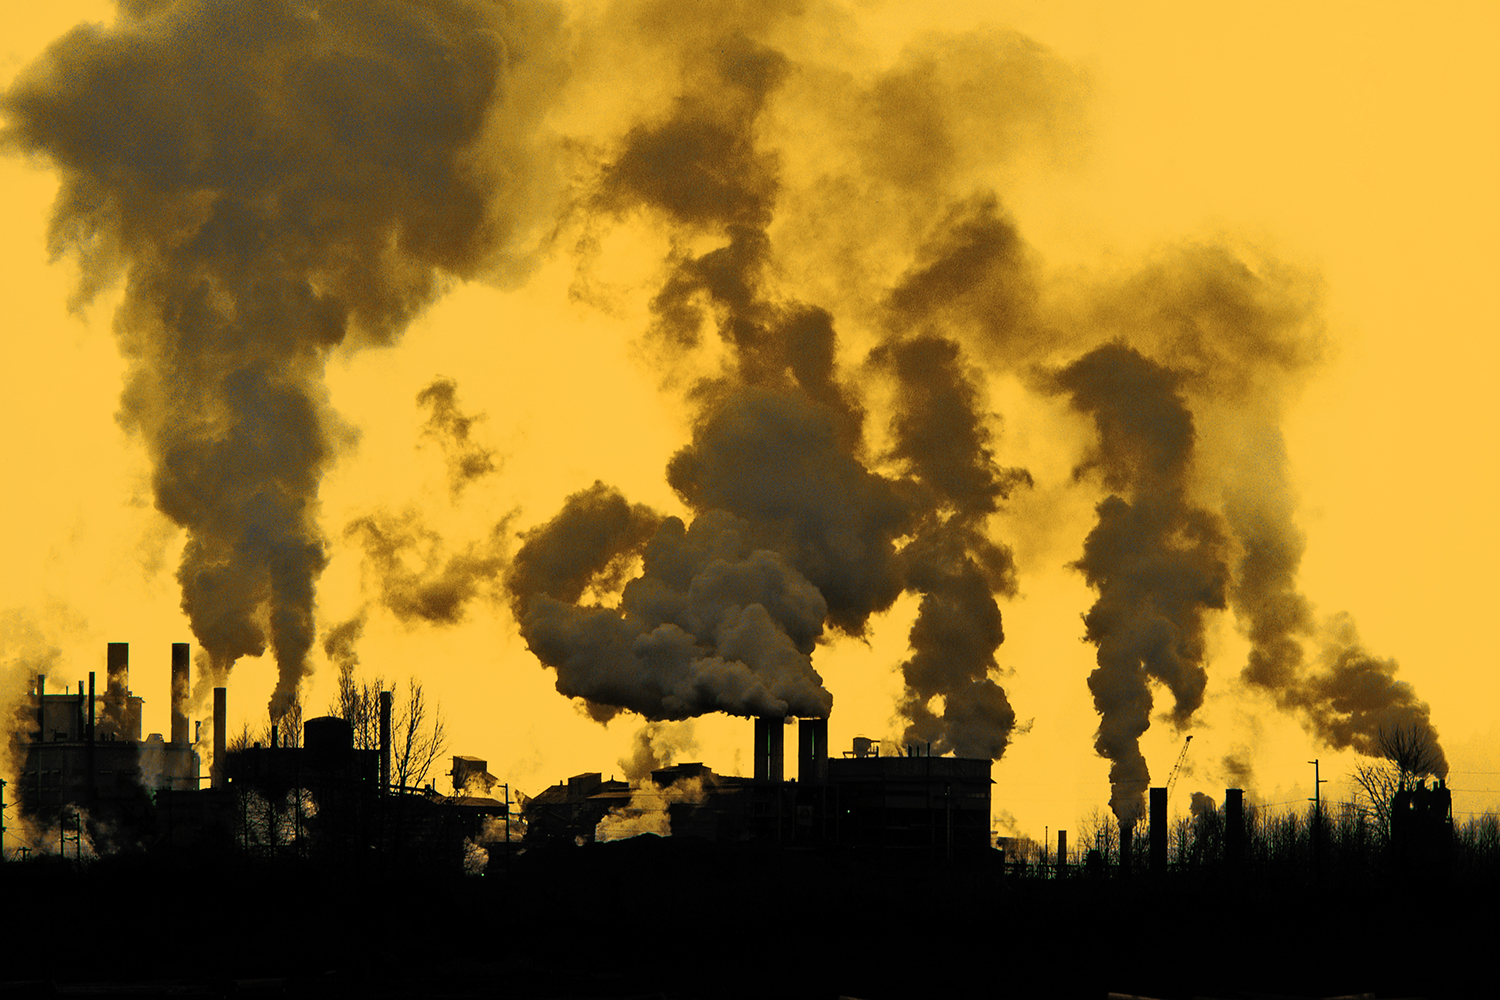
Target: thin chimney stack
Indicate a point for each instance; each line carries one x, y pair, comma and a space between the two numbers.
179, 692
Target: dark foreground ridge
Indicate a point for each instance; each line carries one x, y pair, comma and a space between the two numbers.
678, 917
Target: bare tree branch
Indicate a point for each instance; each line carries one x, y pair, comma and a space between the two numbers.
418, 734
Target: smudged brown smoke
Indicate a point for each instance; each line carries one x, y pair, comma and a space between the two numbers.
274, 184
657, 745
273, 181
1156, 559
450, 427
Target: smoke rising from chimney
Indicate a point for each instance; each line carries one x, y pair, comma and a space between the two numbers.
273, 182
657, 745
1156, 559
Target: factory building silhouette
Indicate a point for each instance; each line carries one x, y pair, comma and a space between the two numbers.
912, 803
88, 771
85, 761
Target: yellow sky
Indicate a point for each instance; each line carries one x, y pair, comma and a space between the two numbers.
1356, 142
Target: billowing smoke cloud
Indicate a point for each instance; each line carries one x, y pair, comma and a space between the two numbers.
1157, 560
449, 426
589, 543
657, 745
274, 181
416, 577
26, 650
341, 643
1243, 335
1354, 697
941, 439
711, 625
839, 530
649, 809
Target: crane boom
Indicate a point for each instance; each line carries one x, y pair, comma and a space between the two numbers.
1177, 768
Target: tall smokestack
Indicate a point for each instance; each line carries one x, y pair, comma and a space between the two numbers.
116, 683
89, 753
221, 720
1062, 851
179, 692
812, 751
1234, 825
770, 749
385, 741
1158, 830
117, 670
41, 711
1127, 839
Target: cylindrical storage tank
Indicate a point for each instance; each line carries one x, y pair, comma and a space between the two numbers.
328, 740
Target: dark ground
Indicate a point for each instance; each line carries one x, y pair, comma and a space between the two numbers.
679, 918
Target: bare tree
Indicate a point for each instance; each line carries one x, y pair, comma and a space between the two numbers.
1100, 831
358, 703
1412, 749
418, 733
1407, 754
288, 731
241, 740
416, 742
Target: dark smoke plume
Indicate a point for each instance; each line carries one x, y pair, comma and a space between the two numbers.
273, 180
712, 625
450, 427
341, 642
1243, 336
777, 469
1353, 696
942, 440
589, 543
1237, 768
1156, 559
418, 580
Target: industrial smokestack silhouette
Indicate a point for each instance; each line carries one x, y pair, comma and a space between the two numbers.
116, 683
179, 692
221, 720
1158, 830
385, 742
770, 749
812, 751
1234, 825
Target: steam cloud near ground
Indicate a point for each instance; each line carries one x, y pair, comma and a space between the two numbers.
842, 283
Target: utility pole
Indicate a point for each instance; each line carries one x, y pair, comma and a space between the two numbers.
1316, 799
1317, 824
